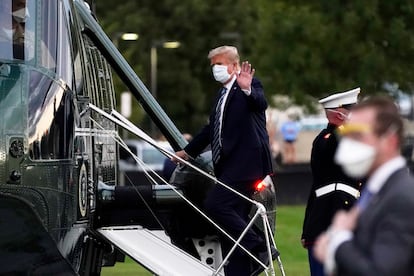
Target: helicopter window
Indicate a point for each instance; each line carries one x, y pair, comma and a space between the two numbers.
20, 37
51, 119
17, 39
64, 54
48, 34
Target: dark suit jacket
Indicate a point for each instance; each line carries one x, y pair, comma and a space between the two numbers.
245, 151
383, 242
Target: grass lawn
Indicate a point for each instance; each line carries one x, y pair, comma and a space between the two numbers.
288, 231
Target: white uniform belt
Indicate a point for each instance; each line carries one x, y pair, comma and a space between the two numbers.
336, 187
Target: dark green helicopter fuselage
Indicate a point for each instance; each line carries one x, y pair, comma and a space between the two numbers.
51, 152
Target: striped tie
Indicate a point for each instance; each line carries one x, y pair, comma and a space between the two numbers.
216, 145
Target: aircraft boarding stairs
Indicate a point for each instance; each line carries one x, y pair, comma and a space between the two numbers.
142, 221
152, 236
150, 230
128, 216
153, 250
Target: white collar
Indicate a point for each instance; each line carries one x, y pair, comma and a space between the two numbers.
378, 178
230, 83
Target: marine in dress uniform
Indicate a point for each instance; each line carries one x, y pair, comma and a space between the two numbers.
331, 189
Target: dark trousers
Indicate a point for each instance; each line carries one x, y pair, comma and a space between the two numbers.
230, 211
316, 268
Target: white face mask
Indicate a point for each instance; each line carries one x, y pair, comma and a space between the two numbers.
220, 73
21, 15
355, 158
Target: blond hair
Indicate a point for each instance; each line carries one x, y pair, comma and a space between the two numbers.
230, 51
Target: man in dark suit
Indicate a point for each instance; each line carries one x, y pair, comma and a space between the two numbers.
239, 141
332, 189
376, 237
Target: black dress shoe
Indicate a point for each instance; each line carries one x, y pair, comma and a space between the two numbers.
263, 256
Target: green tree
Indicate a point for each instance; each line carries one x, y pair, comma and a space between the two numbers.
303, 49
185, 85
319, 47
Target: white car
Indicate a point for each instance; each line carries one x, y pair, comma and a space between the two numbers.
134, 173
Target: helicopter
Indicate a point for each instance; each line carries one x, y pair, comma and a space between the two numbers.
62, 209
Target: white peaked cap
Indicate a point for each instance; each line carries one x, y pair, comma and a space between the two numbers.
341, 99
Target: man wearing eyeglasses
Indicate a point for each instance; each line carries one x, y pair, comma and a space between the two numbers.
376, 237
